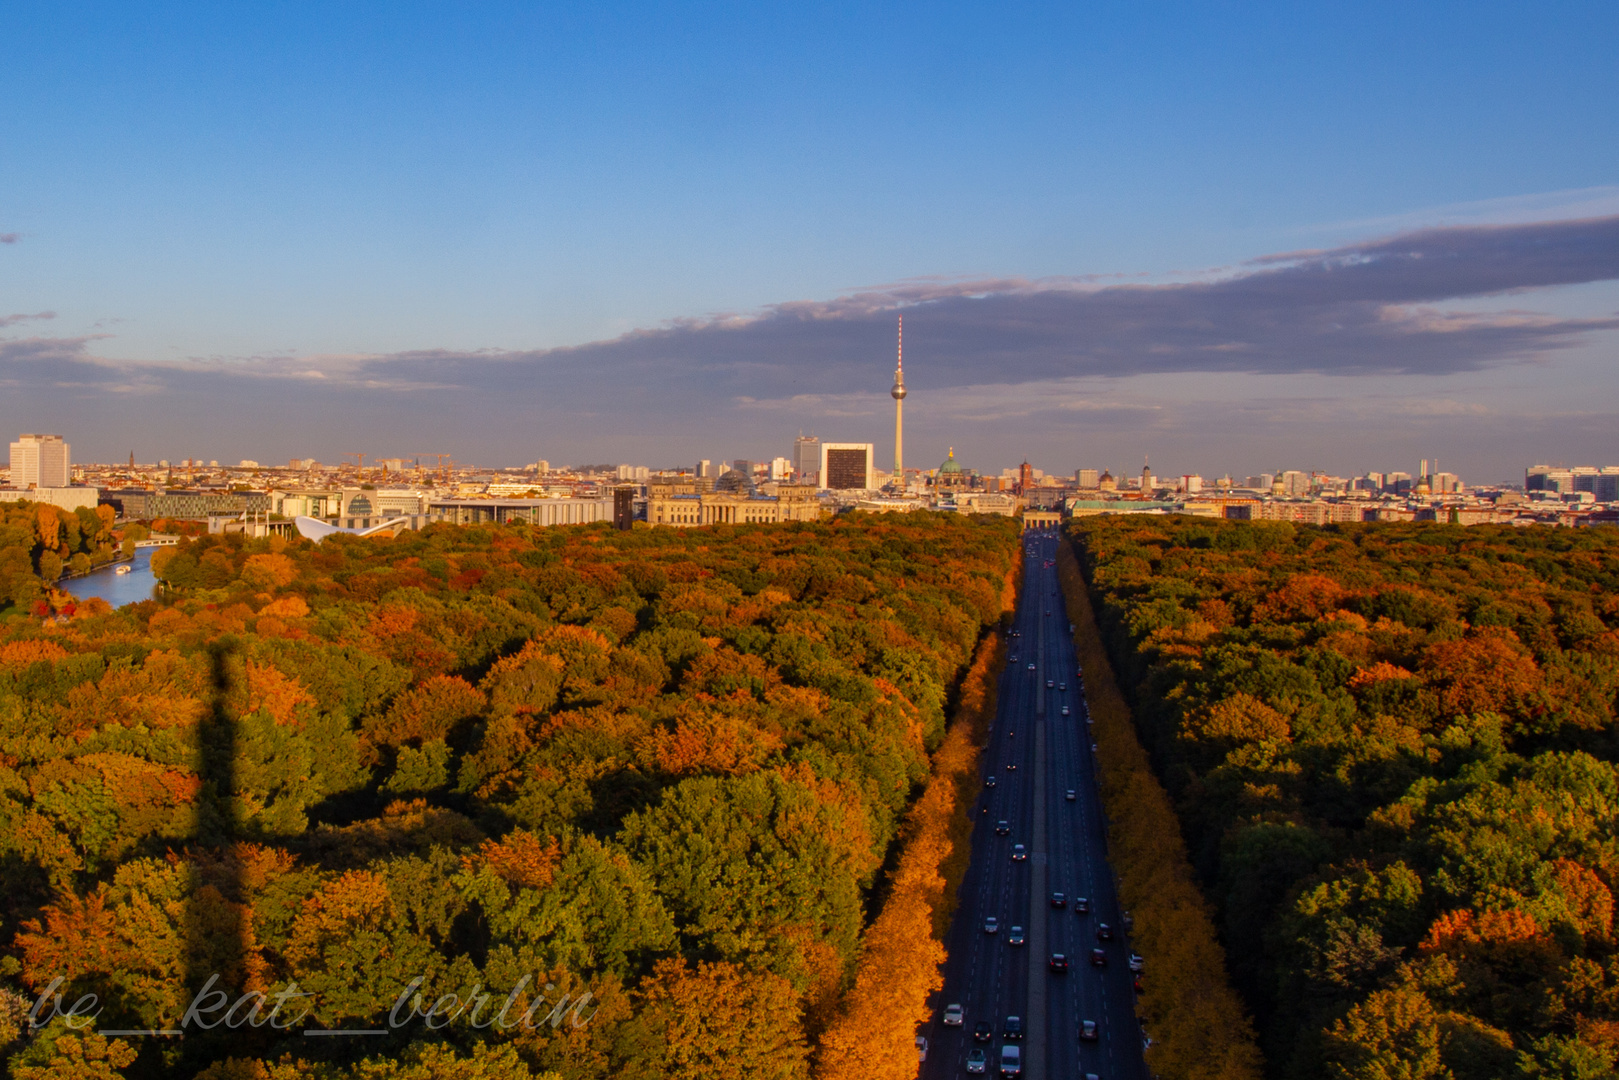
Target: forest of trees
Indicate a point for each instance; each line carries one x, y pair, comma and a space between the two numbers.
1393, 754
39, 543
644, 783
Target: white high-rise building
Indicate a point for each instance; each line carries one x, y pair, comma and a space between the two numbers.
40, 461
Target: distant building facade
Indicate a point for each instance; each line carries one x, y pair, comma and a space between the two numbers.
667, 504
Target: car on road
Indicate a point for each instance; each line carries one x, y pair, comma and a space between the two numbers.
1104, 932
1065, 710
992, 925
1051, 684
1031, 667
1011, 1061
1062, 686
1058, 964
1082, 905
1002, 828
1011, 766
1014, 936
1014, 658
1013, 1028
1098, 958
1093, 750
952, 1015
921, 1048
1019, 853
1137, 963
1129, 923
977, 1061
1069, 795
989, 781
1087, 1030
983, 1031
1059, 900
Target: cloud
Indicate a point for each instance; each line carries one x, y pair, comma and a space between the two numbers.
1020, 356
1367, 309
8, 320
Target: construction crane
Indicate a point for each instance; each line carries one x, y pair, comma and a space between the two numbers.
442, 467
359, 462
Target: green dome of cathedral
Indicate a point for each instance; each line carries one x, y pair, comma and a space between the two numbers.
950, 464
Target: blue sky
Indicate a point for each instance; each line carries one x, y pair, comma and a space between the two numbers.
251, 223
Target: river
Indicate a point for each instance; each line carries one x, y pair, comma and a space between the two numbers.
115, 588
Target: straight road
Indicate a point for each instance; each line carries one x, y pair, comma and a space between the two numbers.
1039, 751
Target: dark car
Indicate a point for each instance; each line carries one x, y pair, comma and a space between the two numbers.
1013, 1028
1015, 936
1019, 853
1058, 964
1011, 766
1099, 958
1002, 828
1062, 686
1104, 932
989, 781
1069, 795
983, 1031
1081, 905
1051, 684
1087, 1030
1058, 900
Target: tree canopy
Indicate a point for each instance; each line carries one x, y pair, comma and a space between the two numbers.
1394, 756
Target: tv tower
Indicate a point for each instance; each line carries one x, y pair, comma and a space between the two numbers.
899, 410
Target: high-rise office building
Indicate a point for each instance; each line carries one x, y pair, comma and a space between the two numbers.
807, 458
846, 466
705, 469
41, 461
1087, 478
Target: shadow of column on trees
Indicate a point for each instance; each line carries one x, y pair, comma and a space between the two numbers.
216, 925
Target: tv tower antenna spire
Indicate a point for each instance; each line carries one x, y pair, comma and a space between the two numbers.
898, 393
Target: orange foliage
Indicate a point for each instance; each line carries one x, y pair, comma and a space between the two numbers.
23, 653
279, 694
269, 571
79, 935
1589, 903
359, 897
1487, 671
519, 857
1302, 596
1382, 671
709, 740
286, 607
430, 711
1239, 718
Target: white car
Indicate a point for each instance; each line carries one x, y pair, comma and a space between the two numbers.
1065, 710
921, 1048
1137, 963
952, 1015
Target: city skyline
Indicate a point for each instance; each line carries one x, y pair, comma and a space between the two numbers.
1240, 241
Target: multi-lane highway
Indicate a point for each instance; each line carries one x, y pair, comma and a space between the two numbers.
1039, 793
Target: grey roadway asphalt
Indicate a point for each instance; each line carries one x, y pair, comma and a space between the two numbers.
1035, 755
